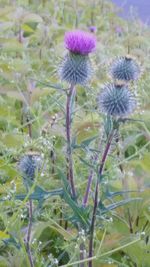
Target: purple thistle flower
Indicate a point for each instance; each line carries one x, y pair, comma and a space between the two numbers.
80, 42
92, 28
118, 30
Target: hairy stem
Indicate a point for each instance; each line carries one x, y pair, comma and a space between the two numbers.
82, 249
100, 172
70, 175
29, 234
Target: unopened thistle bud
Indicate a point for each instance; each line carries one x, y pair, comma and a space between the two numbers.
29, 166
125, 69
76, 67
116, 100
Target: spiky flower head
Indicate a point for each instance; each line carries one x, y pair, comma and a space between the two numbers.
29, 166
80, 42
125, 69
116, 100
76, 67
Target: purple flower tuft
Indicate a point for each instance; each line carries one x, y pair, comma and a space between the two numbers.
80, 42
92, 28
119, 30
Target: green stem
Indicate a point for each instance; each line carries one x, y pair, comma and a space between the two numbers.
29, 234
70, 174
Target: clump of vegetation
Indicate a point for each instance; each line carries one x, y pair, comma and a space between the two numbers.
75, 137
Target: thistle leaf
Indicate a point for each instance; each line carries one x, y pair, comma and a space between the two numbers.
102, 209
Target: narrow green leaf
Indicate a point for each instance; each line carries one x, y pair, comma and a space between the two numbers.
104, 209
51, 85
79, 212
87, 142
86, 163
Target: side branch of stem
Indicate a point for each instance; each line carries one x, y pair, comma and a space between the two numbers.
100, 172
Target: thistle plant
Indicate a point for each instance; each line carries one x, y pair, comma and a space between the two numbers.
115, 101
70, 208
75, 69
29, 166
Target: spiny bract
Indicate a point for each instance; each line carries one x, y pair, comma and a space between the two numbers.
116, 100
125, 68
75, 69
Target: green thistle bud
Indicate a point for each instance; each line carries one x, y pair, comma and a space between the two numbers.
116, 100
29, 165
125, 69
